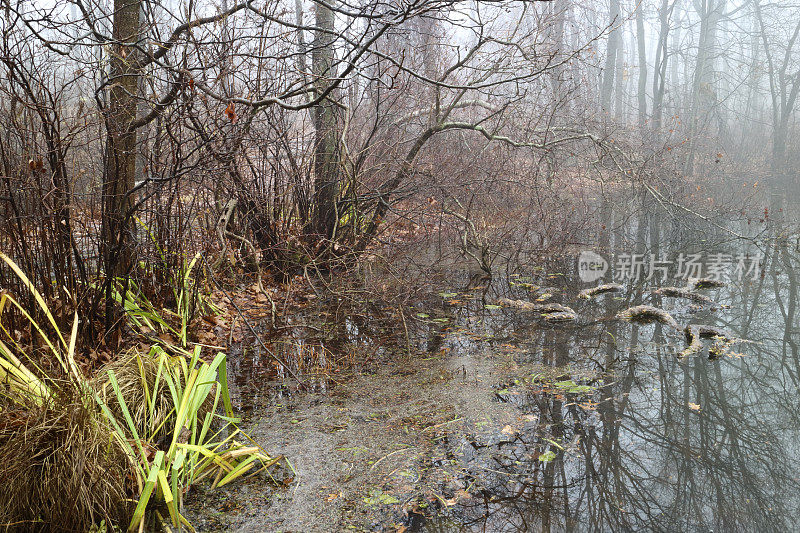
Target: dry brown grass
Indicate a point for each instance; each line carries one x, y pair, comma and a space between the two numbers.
60, 468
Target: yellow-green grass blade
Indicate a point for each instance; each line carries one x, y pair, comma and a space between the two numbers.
144, 499
24, 378
119, 433
71, 351
169, 498
215, 457
42, 334
112, 378
180, 418
38, 297
177, 471
238, 471
223, 383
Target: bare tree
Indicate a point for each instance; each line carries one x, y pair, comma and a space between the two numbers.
783, 84
613, 55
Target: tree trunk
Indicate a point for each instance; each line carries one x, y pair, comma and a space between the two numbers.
641, 92
703, 90
614, 42
326, 151
120, 165
660, 70
555, 30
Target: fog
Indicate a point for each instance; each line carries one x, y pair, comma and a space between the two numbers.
155, 154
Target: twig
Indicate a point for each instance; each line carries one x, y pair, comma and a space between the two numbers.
662, 200
390, 454
249, 326
222, 229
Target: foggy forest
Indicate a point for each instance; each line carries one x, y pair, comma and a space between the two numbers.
399, 265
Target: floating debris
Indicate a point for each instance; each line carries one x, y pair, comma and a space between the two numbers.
683, 292
695, 284
525, 285
589, 293
647, 314
696, 332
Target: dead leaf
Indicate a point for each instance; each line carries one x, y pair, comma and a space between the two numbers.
693, 406
230, 112
461, 494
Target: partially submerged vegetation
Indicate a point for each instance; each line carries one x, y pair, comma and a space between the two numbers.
605, 288
696, 332
683, 292
544, 308
647, 314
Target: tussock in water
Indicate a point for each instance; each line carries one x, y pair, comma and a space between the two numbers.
591, 292
531, 306
61, 467
704, 283
682, 292
647, 314
696, 332
559, 317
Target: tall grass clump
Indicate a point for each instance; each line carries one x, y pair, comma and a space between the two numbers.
60, 469
116, 450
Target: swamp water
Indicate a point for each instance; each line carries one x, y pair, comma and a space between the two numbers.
501, 421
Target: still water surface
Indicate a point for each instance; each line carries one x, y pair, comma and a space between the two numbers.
504, 422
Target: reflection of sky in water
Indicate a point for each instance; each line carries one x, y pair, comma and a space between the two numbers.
671, 445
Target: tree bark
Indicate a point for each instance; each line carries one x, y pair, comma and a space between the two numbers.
120, 163
660, 70
703, 89
326, 151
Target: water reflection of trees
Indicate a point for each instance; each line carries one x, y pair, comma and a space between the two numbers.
645, 457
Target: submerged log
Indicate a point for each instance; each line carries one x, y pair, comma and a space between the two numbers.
647, 314
683, 292
591, 292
